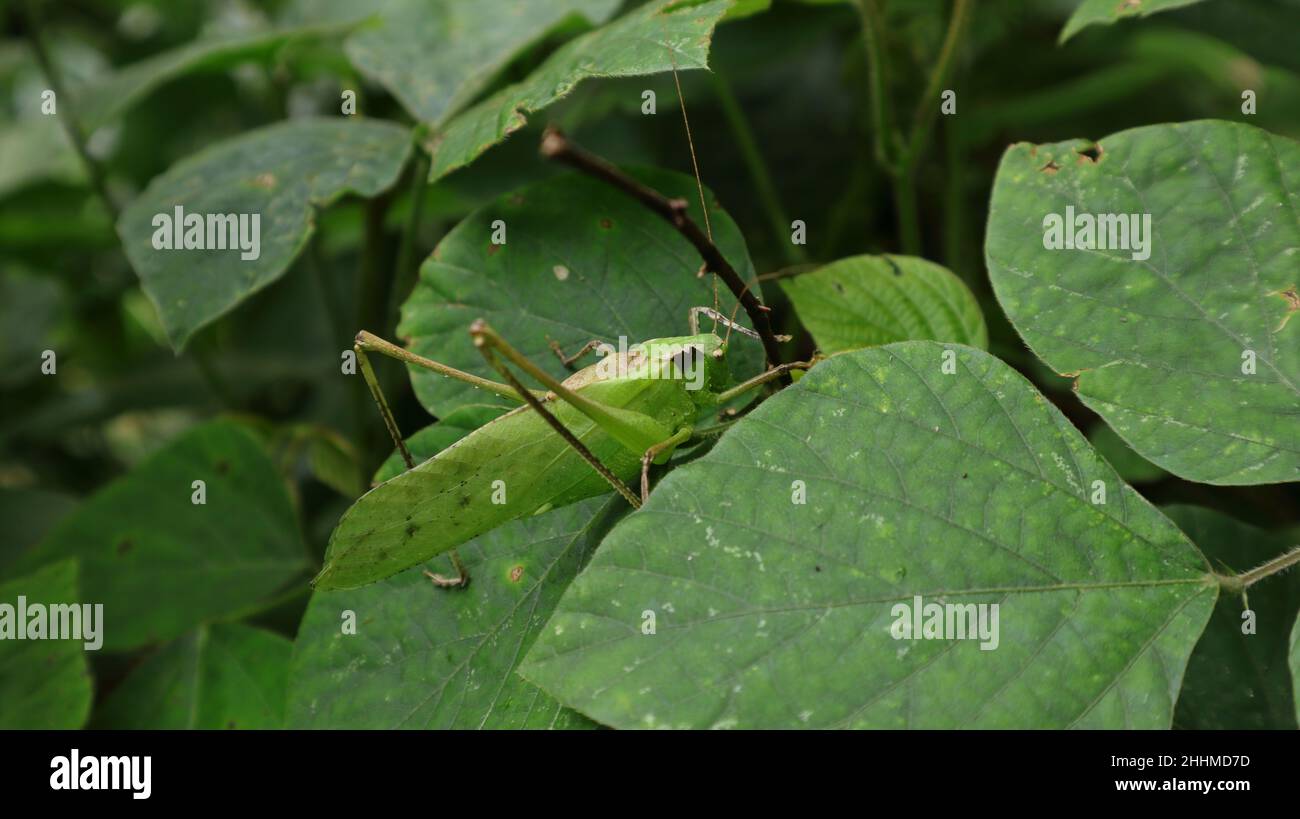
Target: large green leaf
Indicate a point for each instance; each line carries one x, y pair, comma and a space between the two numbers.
581, 261
968, 488
219, 676
1237, 680
30, 306
1092, 12
280, 172
1159, 345
437, 55
43, 683
424, 657
866, 301
160, 563
659, 36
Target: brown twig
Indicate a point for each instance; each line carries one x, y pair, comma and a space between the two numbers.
558, 147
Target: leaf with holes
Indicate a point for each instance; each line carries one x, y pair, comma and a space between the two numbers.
277, 175
219, 676
579, 261
1176, 309
161, 563
780, 565
423, 657
866, 301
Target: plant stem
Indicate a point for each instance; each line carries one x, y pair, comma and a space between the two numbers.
556, 146
67, 116
928, 108
758, 172
1241, 582
873, 29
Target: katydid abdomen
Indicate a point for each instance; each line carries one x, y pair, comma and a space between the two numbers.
514, 466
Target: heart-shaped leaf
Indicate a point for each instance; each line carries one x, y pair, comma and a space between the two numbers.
659, 36
580, 261
437, 55
866, 301
1237, 676
44, 683
767, 583
219, 676
162, 563
1092, 12
1191, 355
424, 657
277, 174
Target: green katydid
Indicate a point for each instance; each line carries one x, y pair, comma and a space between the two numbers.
595, 429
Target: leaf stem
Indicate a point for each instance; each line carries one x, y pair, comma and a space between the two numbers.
1240, 582
758, 171
558, 147
873, 29
64, 105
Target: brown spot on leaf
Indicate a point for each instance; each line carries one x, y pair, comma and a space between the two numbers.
1050, 167
125, 546
493, 247
606, 224
516, 572
1292, 298
266, 181
411, 529
1090, 154
223, 467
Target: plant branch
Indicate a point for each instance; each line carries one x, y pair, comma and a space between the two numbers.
927, 110
407, 269
556, 146
67, 116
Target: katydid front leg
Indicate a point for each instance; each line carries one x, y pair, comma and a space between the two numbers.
367, 342
567, 360
680, 437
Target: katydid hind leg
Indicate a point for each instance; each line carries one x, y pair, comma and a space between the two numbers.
653, 452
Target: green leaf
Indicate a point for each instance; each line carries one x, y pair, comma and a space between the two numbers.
659, 36
434, 438
280, 173
219, 676
1105, 12
43, 683
436, 56
1160, 345
160, 563
581, 261
1131, 466
36, 150
969, 488
866, 301
30, 306
1236, 680
28, 514
424, 657
108, 98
